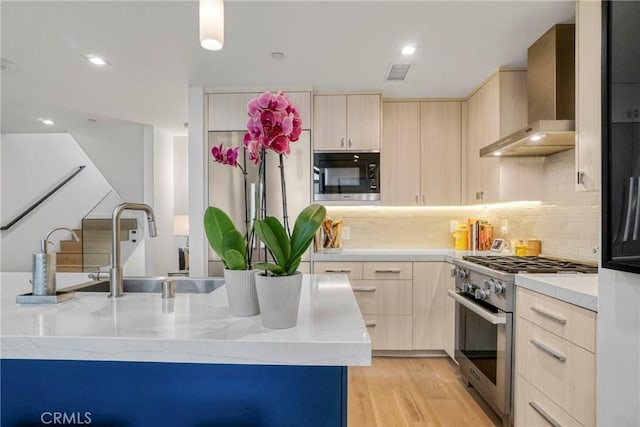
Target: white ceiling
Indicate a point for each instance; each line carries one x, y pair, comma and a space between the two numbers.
154, 52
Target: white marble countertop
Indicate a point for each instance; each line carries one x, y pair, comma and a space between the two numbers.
577, 289
417, 255
193, 328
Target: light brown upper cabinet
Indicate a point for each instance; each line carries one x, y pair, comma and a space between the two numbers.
421, 153
496, 109
588, 95
228, 111
346, 122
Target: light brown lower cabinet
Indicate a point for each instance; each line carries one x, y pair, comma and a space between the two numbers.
388, 332
433, 309
404, 304
555, 362
534, 409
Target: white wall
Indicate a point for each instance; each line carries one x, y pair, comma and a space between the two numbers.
618, 361
165, 250
118, 150
181, 175
197, 191
32, 164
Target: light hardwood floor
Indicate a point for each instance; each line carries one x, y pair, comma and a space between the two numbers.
412, 392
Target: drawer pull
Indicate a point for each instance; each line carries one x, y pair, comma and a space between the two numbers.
561, 357
337, 270
387, 270
371, 289
549, 315
544, 414
370, 324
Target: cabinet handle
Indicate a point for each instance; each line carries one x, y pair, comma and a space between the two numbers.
544, 414
636, 113
387, 270
417, 198
580, 177
370, 324
549, 315
350, 142
341, 142
371, 289
561, 357
337, 270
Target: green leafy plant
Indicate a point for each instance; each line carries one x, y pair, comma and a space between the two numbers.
225, 239
287, 251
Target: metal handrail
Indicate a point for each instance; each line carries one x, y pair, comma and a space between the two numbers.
42, 199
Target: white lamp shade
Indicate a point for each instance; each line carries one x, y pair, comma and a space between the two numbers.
181, 225
212, 24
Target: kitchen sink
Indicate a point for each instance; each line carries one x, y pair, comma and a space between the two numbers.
181, 285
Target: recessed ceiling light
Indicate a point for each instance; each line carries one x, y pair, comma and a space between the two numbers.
498, 153
47, 122
277, 55
409, 49
96, 60
536, 137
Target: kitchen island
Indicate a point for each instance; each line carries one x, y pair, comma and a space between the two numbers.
140, 360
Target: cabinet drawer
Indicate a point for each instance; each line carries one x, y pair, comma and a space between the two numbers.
351, 269
389, 332
387, 270
571, 322
383, 296
534, 409
562, 371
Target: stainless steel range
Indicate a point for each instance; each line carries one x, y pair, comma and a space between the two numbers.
485, 306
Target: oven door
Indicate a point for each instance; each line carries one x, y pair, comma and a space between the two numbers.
346, 176
483, 348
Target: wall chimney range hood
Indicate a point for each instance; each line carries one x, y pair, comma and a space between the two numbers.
551, 99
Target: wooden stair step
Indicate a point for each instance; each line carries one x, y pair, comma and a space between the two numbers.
69, 268
69, 258
70, 246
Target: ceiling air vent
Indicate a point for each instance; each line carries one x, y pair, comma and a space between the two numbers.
397, 72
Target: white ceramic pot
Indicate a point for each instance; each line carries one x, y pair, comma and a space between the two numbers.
279, 298
241, 292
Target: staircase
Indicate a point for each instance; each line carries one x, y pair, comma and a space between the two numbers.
69, 257
94, 248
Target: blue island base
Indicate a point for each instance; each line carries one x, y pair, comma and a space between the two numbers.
142, 394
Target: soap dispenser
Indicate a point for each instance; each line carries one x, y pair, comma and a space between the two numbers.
44, 266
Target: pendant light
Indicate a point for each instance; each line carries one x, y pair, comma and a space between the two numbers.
212, 24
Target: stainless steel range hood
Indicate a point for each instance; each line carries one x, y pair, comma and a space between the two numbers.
551, 99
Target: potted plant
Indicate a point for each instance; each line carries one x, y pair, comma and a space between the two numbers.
273, 124
231, 247
279, 286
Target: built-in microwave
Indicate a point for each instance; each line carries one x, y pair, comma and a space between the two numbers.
346, 176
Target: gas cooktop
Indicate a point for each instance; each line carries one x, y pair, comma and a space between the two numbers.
531, 264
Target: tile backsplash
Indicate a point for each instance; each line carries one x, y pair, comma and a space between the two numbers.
567, 222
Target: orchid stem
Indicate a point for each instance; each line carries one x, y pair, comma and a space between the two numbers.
283, 187
243, 168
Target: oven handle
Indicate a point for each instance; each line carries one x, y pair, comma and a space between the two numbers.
493, 318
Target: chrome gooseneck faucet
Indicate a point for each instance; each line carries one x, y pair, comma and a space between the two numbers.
116, 288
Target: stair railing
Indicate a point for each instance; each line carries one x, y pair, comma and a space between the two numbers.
42, 199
